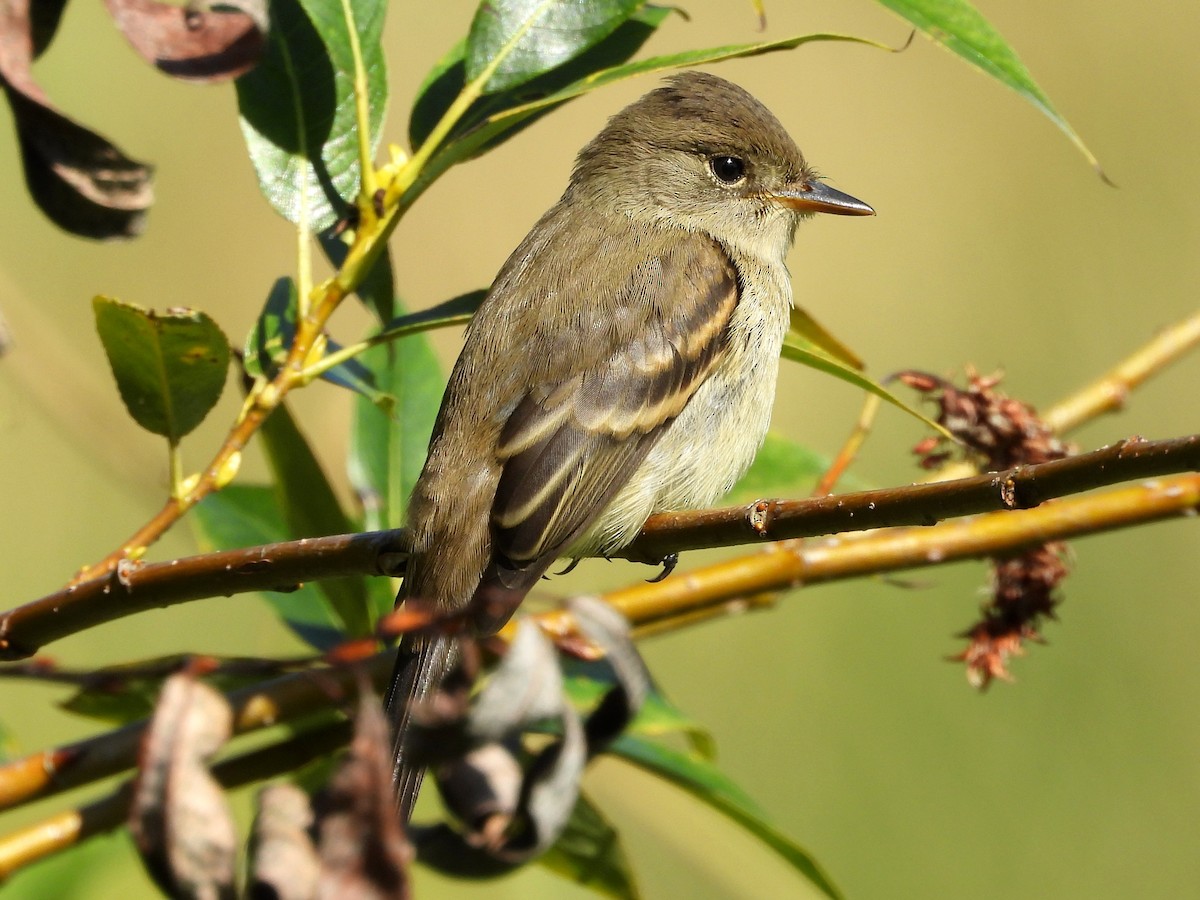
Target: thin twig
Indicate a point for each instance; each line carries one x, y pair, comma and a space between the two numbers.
850, 448
1110, 392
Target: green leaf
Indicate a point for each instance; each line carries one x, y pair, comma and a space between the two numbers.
311, 509
269, 340
448, 78
455, 311
958, 26
589, 853
586, 683
170, 367
387, 448
705, 782
799, 349
489, 129
297, 106
782, 468
250, 515
812, 331
535, 36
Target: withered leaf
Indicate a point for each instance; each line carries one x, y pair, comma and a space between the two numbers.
80, 180
198, 42
179, 818
363, 849
284, 861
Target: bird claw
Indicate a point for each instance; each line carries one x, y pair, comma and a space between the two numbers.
668, 563
571, 565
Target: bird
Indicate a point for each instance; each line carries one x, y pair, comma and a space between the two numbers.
622, 364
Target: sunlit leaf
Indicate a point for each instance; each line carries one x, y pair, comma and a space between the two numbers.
705, 782
448, 77
298, 111
170, 367
803, 325
535, 36
488, 130
959, 27
798, 349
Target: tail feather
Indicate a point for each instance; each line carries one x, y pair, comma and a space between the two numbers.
421, 665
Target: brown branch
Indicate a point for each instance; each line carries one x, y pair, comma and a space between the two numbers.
788, 565
134, 588
918, 504
689, 597
71, 827
137, 587
52, 771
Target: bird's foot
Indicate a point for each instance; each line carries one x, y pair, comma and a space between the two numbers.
668, 563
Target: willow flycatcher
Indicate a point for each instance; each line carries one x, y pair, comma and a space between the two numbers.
623, 364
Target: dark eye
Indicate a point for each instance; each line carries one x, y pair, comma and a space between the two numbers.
729, 169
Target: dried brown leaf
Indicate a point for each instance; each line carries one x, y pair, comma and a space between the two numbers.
363, 849
192, 42
80, 180
285, 864
179, 818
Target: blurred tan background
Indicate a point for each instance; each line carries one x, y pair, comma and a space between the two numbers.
995, 244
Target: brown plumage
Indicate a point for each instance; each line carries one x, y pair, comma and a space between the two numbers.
623, 363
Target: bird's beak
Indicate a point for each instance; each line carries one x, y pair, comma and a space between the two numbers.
813, 196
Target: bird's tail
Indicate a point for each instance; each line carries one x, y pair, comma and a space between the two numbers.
422, 663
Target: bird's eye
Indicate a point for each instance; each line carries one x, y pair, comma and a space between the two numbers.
729, 169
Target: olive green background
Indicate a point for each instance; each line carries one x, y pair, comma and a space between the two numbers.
995, 244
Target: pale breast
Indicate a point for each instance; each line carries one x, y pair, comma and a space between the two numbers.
713, 441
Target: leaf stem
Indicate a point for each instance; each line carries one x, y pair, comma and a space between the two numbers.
175, 468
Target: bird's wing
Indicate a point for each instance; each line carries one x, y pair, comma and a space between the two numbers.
572, 442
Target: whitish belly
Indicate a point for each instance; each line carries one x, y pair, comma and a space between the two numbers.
713, 441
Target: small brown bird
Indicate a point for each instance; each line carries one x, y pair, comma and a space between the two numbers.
623, 364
